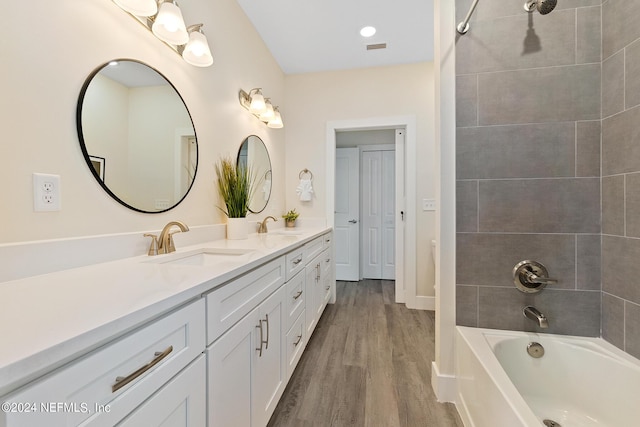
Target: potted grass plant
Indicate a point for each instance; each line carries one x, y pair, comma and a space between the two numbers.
235, 185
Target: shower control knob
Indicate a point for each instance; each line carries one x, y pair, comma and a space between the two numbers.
531, 276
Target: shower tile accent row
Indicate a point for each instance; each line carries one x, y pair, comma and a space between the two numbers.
528, 164
621, 175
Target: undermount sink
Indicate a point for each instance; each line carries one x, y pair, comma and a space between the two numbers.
206, 256
285, 232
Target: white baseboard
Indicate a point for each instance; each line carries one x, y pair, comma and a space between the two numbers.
444, 386
425, 303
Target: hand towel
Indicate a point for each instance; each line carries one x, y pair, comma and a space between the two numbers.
304, 190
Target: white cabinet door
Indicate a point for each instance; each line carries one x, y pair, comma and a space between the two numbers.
180, 403
313, 271
269, 362
229, 374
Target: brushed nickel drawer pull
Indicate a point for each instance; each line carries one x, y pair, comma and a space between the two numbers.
296, 296
266, 347
297, 261
259, 349
327, 288
123, 381
295, 344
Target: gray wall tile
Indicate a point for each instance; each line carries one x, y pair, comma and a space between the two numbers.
613, 320
632, 329
492, 9
588, 148
521, 151
619, 25
466, 101
467, 206
613, 205
501, 308
518, 42
588, 262
621, 143
632, 75
467, 305
632, 205
589, 35
547, 95
620, 267
540, 205
488, 259
613, 84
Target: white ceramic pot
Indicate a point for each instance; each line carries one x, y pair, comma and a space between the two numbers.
237, 228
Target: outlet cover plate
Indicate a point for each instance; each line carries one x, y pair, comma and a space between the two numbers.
46, 193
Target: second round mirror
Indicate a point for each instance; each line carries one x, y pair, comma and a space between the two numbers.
254, 155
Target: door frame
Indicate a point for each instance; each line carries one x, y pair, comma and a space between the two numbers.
406, 286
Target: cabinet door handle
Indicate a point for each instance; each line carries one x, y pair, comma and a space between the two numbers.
266, 347
295, 344
296, 296
259, 349
297, 261
123, 381
327, 288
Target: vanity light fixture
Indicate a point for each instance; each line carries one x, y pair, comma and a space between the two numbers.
261, 107
164, 19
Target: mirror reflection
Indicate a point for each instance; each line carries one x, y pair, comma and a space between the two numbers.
137, 136
253, 154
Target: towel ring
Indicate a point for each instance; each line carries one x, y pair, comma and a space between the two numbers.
267, 174
305, 171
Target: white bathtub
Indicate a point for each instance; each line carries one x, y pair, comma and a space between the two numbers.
579, 382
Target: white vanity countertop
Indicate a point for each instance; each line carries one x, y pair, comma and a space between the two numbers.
51, 319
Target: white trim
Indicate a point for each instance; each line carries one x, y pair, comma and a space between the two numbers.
445, 110
444, 386
395, 122
425, 303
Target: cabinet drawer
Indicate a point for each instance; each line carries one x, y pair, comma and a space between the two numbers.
313, 248
296, 342
326, 240
182, 402
83, 391
295, 296
295, 262
229, 303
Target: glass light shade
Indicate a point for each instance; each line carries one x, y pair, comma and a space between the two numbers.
138, 7
169, 26
276, 121
197, 51
268, 113
257, 105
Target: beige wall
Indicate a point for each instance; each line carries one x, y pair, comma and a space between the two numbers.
314, 99
43, 70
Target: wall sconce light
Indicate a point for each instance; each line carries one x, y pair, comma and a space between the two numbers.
261, 107
164, 19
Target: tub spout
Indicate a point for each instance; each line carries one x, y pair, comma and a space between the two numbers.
533, 313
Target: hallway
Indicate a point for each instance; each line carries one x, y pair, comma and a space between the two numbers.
367, 364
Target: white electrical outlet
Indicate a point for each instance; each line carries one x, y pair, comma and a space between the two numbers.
428, 204
46, 193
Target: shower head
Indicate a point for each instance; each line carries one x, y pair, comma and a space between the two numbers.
542, 6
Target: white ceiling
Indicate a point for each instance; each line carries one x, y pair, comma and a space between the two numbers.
321, 35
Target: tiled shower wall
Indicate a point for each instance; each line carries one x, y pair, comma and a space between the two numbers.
528, 164
621, 174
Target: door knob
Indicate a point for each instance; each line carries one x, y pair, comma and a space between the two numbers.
353, 221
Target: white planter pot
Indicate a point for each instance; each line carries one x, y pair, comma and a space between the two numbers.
237, 228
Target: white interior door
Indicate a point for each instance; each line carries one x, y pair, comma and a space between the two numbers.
346, 232
378, 213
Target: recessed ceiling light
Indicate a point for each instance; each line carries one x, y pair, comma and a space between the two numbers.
367, 31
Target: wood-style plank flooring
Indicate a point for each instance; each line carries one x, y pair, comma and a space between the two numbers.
368, 363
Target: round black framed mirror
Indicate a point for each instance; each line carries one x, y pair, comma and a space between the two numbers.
137, 136
254, 155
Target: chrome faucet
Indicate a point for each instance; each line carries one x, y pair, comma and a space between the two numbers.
530, 312
165, 241
262, 228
